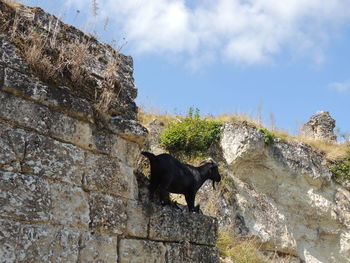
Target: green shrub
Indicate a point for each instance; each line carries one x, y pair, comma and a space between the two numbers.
268, 136
341, 169
191, 135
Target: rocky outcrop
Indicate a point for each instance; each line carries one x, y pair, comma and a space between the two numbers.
282, 195
68, 190
320, 127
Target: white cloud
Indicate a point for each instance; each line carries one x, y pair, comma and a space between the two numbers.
340, 87
242, 31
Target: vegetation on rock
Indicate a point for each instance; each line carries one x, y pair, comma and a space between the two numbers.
268, 136
341, 169
240, 251
191, 135
58, 56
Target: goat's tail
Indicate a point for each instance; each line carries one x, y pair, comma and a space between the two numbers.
149, 155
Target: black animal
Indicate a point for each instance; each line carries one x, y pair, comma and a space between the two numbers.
170, 175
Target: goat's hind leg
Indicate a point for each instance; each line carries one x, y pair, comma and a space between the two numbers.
152, 187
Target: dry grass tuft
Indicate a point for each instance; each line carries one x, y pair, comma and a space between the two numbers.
146, 115
35, 57
12, 3
333, 152
109, 86
239, 251
247, 250
239, 117
74, 57
55, 59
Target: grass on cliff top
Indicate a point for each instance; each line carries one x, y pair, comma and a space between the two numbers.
57, 58
12, 3
333, 152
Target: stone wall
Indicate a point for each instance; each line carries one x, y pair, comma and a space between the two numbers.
68, 190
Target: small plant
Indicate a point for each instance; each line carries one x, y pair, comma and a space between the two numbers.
341, 169
240, 251
192, 135
268, 136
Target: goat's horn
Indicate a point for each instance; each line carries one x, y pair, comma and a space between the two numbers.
211, 160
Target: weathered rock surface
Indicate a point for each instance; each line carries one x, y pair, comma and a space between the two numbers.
155, 128
283, 195
320, 127
182, 226
99, 57
68, 190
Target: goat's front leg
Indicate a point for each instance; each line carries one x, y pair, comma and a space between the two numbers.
190, 201
163, 190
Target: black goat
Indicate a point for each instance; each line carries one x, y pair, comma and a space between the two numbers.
170, 175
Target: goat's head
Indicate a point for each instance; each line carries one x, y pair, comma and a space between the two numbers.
213, 171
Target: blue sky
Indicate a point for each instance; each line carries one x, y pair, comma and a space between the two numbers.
290, 58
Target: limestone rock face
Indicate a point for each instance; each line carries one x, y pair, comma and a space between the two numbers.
283, 195
68, 185
320, 127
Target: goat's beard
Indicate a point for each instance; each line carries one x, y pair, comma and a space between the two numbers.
214, 185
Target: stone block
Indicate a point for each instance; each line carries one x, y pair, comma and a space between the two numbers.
70, 205
72, 130
11, 148
9, 232
54, 159
32, 153
173, 225
34, 199
107, 213
48, 244
56, 98
141, 251
37, 243
43, 120
188, 253
126, 151
9, 55
137, 224
98, 248
131, 130
25, 113
25, 197
107, 174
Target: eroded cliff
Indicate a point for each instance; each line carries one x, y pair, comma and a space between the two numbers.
278, 193
282, 194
